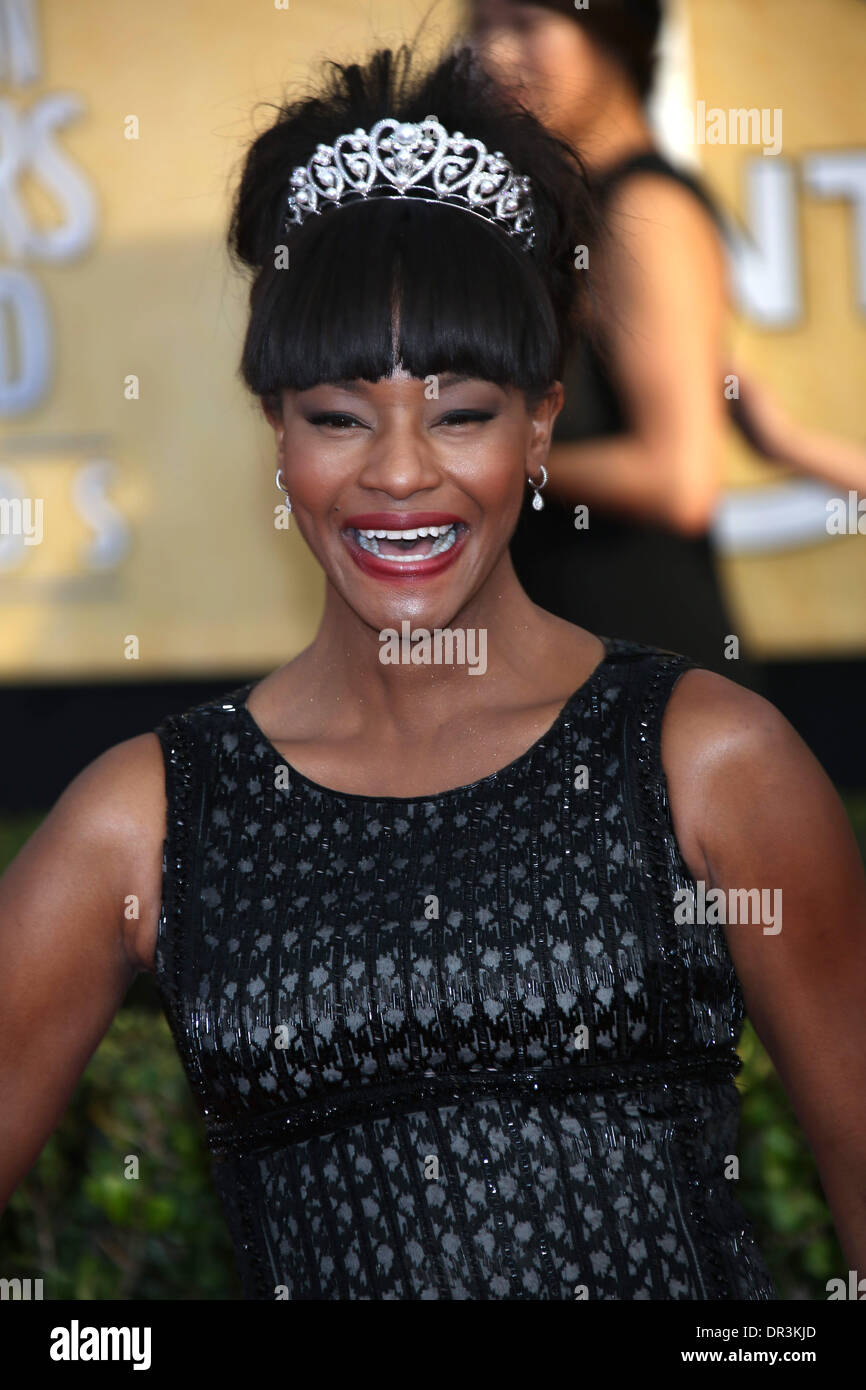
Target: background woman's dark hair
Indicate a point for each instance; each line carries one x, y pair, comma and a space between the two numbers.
626, 29
465, 295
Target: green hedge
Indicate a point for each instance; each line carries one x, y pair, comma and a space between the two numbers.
91, 1233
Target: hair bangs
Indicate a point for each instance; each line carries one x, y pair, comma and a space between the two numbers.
398, 283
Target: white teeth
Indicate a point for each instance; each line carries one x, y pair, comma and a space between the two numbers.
408, 535
447, 537
443, 539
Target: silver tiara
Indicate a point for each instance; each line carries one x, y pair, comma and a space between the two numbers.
397, 158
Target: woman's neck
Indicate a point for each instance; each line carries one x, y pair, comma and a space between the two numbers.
615, 132
506, 637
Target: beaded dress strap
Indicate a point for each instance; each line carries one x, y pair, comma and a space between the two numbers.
184, 800
655, 679
187, 741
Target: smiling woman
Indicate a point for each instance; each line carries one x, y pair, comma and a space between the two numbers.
393, 543
418, 936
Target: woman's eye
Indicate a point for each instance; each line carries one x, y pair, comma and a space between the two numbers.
465, 417
333, 418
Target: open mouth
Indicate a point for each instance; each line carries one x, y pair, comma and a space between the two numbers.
410, 544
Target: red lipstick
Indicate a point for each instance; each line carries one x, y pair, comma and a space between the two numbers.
399, 521
412, 557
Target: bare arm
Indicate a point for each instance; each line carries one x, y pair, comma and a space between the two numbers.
663, 285
780, 439
68, 951
754, 809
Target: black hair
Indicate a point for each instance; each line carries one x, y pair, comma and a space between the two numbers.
626, 29
466, 296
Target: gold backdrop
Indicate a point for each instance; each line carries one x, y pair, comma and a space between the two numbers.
808, 61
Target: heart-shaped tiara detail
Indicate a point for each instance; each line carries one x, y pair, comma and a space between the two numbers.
419, 160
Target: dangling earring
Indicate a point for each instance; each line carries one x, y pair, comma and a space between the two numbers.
281, 488
538, 500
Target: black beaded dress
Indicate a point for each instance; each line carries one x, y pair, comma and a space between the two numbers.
455, 1046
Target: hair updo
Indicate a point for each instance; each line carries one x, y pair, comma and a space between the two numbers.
392, 282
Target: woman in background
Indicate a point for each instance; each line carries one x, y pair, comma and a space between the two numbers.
639, 442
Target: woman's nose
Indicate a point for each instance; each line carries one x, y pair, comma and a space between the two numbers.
400, 461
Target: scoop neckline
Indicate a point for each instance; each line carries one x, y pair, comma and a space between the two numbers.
491, 779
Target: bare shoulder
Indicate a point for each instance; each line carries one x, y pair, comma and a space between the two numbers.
656, 225
118, 799
735, 767
649, 199
106, 831
713, 717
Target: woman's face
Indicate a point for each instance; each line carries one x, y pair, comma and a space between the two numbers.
360, 458
545, 58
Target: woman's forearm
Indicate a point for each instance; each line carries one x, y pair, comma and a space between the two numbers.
771, 430
821, 455
623, 475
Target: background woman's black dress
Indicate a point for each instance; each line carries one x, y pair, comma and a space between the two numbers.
628, 578
457, 1046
